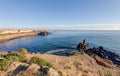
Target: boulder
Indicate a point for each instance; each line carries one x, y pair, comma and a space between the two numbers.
82, 46
14, 65
52, 72
32, 70
49, 71
15, 68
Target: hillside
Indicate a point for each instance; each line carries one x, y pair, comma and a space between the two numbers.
76, 65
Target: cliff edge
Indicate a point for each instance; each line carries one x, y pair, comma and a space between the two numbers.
76, 65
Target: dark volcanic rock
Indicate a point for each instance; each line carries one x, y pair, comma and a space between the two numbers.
105, 54
105, 57
44, 33
82, 46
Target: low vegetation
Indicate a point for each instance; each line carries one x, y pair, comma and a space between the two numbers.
16, 56
7, 59
107, 72
23, 51
41, 62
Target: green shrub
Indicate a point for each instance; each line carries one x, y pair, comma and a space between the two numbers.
23, 51
1, 56
4, 63
41, 62
9, 58
16, 56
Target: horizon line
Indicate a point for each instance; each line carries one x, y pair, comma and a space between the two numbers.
67, 27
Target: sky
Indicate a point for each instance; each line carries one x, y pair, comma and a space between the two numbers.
60, 14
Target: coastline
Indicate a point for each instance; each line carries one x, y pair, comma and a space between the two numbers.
10, 36
94, 61
74, 65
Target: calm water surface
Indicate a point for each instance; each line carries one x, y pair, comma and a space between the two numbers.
64, 41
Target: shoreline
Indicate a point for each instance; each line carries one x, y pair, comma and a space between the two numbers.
83, 64
11, 36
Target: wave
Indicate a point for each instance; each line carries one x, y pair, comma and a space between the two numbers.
53, 51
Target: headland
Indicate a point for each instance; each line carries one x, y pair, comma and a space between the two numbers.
6, 35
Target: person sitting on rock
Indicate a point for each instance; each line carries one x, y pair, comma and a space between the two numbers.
82, 46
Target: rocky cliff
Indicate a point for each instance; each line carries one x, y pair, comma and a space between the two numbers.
76, 65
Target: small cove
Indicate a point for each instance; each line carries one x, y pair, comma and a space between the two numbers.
60, 41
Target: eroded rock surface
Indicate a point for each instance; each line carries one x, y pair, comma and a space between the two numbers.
104, 54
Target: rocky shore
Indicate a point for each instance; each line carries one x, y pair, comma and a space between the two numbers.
105, 55
37, 64
9, 35
94, 61
101, 55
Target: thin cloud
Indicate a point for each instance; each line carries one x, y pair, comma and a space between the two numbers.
88, 27
68, 27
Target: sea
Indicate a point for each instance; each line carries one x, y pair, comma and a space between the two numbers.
65, 41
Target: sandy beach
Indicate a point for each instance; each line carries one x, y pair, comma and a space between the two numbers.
13, 35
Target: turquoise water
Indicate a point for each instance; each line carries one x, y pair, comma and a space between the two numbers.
64, 41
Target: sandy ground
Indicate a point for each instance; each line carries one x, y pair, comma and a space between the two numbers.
10, 36
80, 65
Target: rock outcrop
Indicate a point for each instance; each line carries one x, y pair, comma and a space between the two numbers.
23, 69
102, 56
32, 69
15, 68
82, 46
79, 65
74, 65
111, 57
